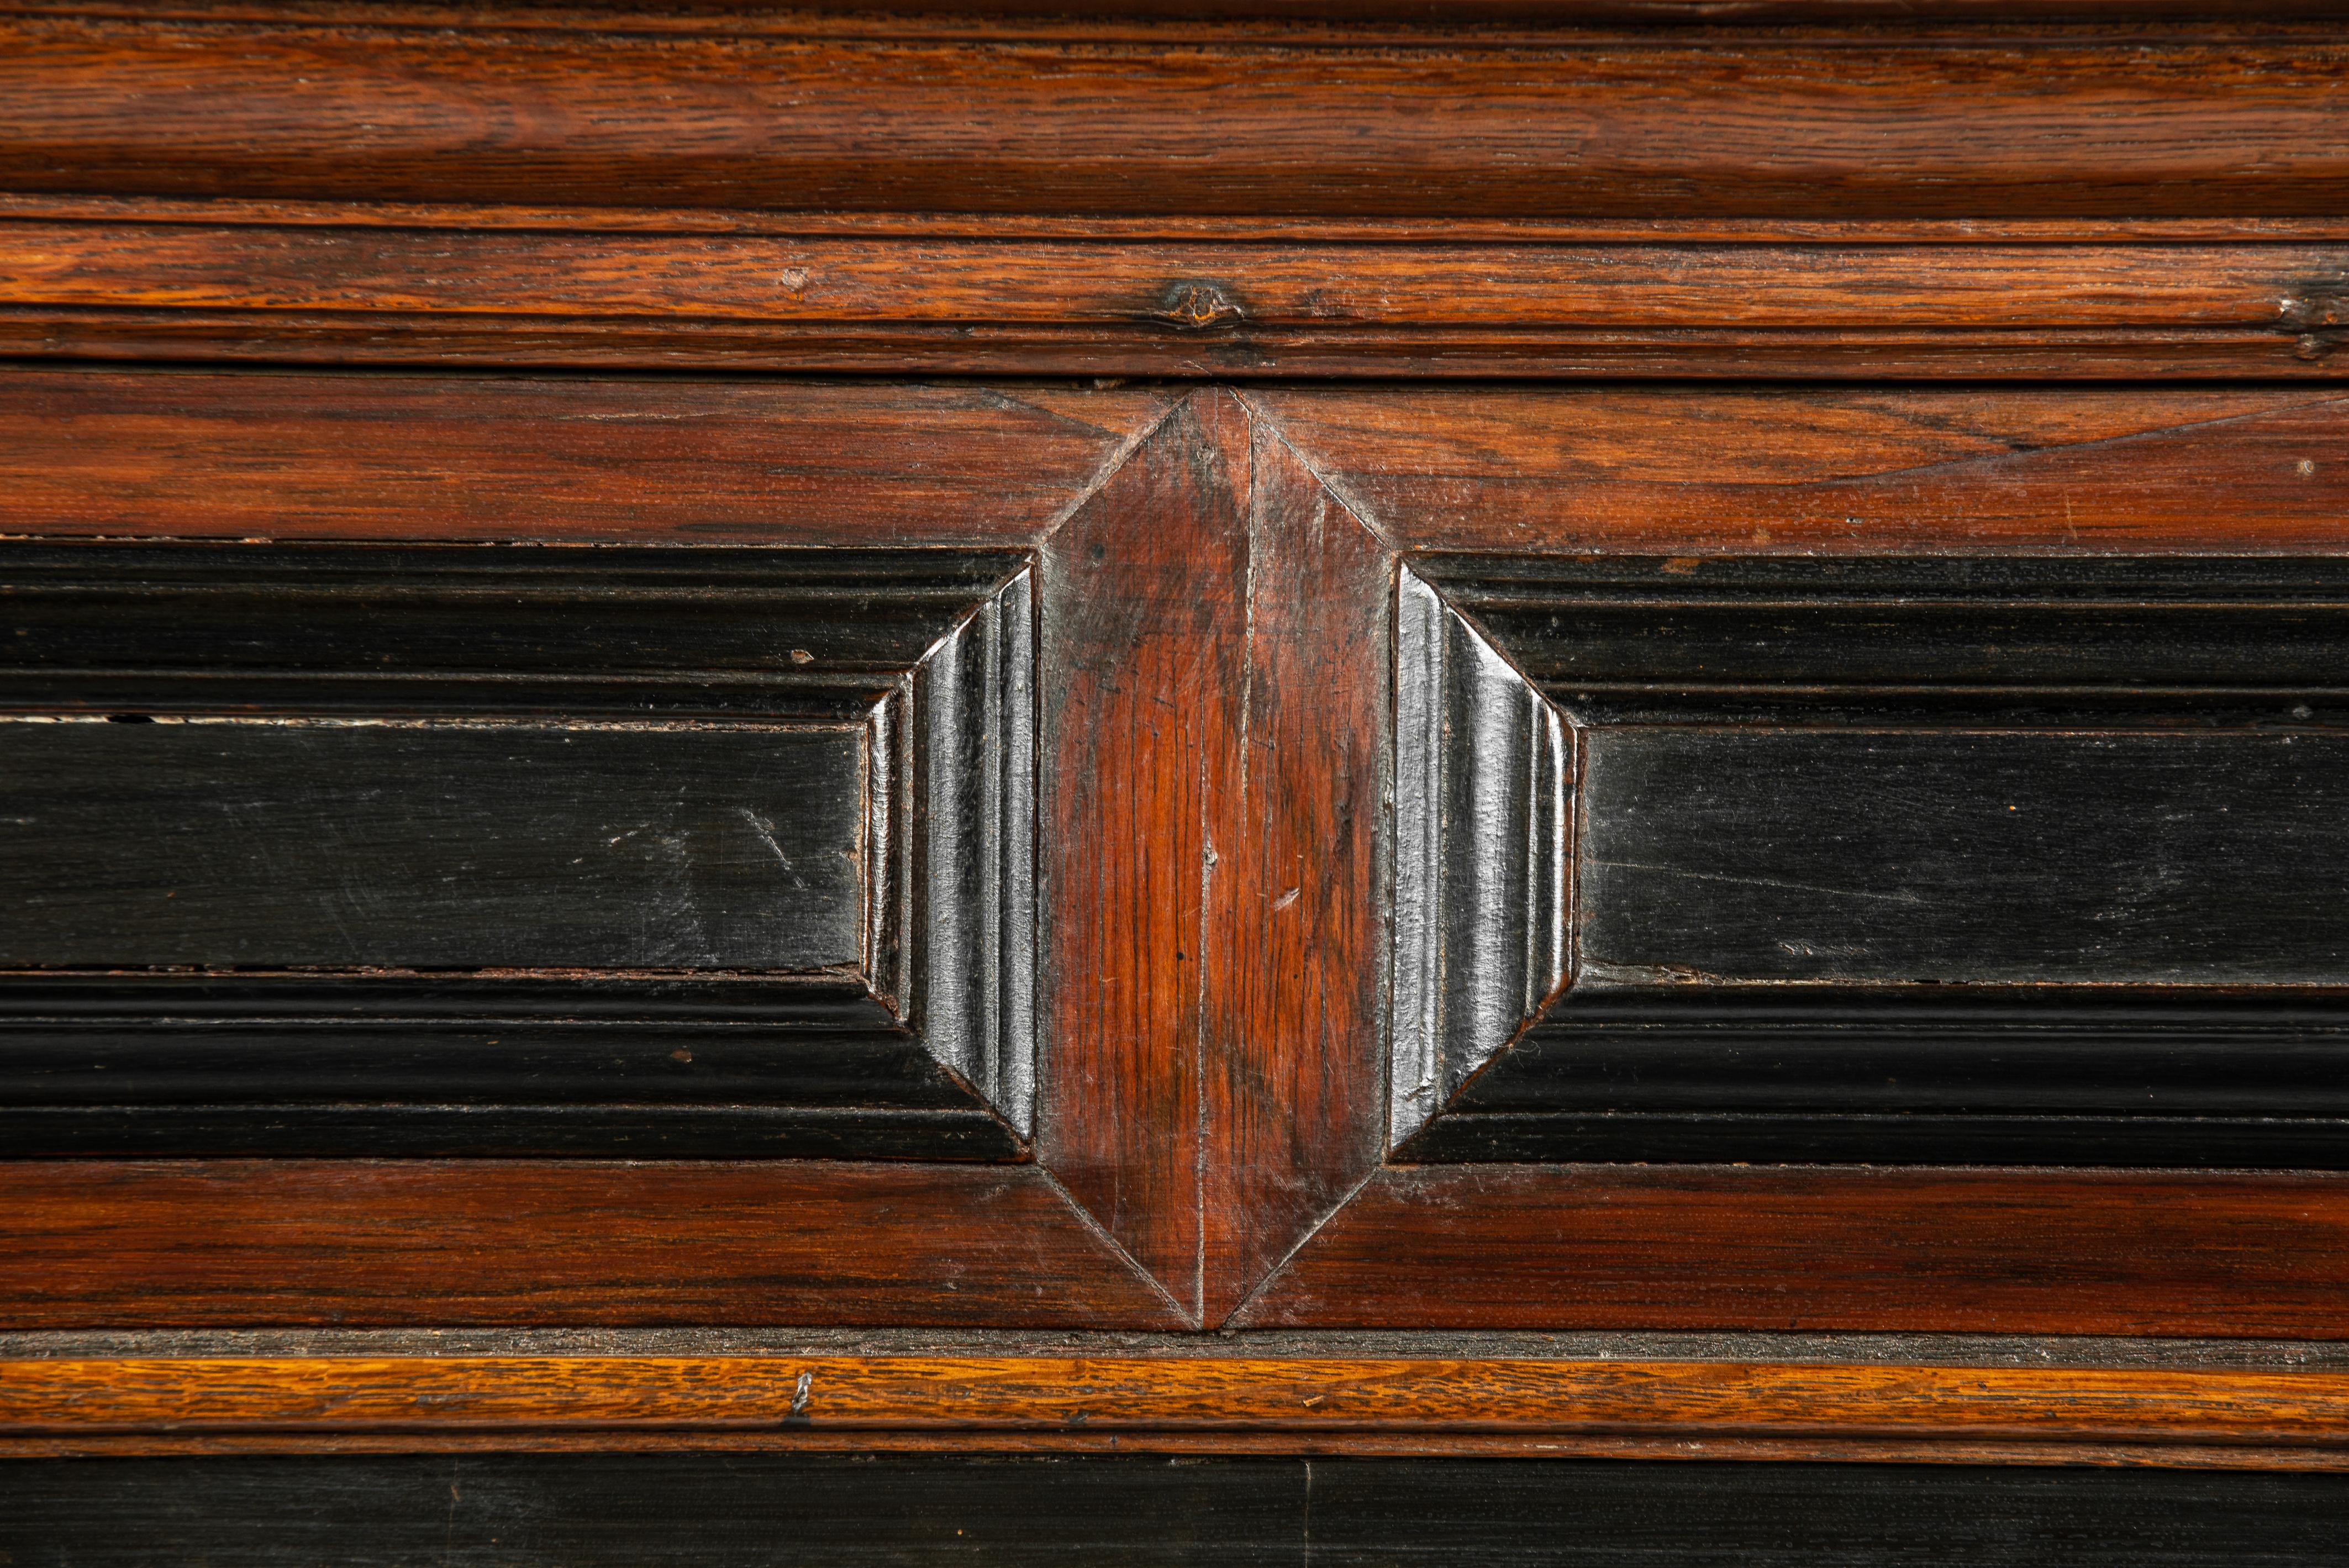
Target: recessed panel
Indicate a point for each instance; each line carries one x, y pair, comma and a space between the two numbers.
1953, 856
1978, 861
430, 846
429, 850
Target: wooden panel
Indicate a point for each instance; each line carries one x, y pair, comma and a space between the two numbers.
191, 454
1293, 1028
519, 1512
282, 845
581, 1241
1990, 1075
1959, 778
2176, 126
1214, 621
469, 285
1876, 1250
1965, 858
1688, 472
1142, 670
778, 810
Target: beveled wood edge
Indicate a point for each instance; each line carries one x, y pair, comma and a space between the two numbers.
2204, 1417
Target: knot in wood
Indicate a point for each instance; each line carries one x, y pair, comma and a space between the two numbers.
1195, 307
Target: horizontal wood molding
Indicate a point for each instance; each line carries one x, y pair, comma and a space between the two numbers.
2151, 124
252, 456
1825, 1248
1252, 1401
809, 1242
419, 288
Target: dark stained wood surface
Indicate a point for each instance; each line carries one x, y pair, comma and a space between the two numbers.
518, 1512
2149, 125
521, 1242
374, 849
1925, 857
605, 287
185, 454
1595, 1246
289, 844
1871, 852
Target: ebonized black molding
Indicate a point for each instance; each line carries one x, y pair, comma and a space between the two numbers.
1975, 860
1482, 824
516, 1511
388, 849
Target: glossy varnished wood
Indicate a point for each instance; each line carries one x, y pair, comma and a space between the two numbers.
2177, 125
188, 454
2282, 1419
362, 284
1219, 619
1864, 471
2051, 1251
519, 1241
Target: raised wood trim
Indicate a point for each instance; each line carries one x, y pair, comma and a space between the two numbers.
2161, 123
420, 286
1250, 1403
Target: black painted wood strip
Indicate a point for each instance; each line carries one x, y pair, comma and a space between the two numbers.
398, 844
517, 1511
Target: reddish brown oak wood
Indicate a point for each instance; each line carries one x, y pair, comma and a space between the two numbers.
1105, 281
1880, 469
364, 292
1293, 1029
2080, 1251
1320, 1399
1142, 676
1214, 678
2150, 126
191, 454
517, 1241
1464, 23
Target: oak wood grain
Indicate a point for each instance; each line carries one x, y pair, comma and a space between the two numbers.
1142, 677
2146, 126
1688, 472
357, 289
1234, 1392
1964, 1250
518, 1241
243, 455
1292, 1030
